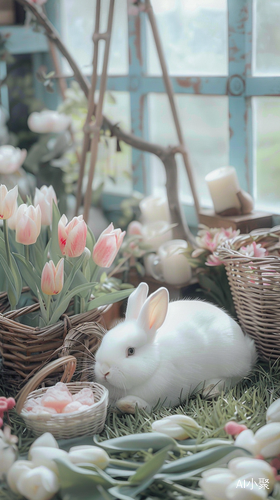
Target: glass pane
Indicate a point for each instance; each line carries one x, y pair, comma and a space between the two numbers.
78, 18
266, 40
194, 37
205, 126
114, 168
266, 116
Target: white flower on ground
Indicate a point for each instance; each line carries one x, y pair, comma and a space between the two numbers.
172, 426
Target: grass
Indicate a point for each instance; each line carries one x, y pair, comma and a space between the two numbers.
246, 403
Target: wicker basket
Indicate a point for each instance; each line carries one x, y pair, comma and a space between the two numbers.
63, 426
26, 349
255, 288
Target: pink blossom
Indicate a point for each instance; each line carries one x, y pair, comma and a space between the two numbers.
211, 238
107, 246
253, 250
72, 236
233, 428
212, 260
52, 277
134, 227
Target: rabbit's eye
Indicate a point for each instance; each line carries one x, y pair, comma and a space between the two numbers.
130, 351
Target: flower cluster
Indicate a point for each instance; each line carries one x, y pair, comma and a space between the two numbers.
58, 260
208, 240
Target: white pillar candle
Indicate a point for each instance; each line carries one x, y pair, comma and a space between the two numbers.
156, 233
154, 208
176, 269
223, 186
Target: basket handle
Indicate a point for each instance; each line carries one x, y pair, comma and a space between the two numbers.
69, 361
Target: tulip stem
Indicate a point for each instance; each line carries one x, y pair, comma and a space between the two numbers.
26, 252
7, 245
48, 307
182, 489
119, 265
125, 463
204, 446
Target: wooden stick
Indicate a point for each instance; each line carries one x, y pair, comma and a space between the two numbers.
170, 94
91, 105
98, 112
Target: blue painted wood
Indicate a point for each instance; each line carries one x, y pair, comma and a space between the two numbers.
23, 40
238, 145
4, 96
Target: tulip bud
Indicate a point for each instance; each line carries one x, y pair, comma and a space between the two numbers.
268, 439
28, 224
46, 440
72, 236
273, 412
214, 486
107, 246
173, 426
52, 277
255, 468
89, 454
19, 467
39, 483
8, 201
246, 440
233, 428
44, 197
41, 455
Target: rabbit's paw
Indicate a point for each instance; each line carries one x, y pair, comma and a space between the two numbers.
128, 404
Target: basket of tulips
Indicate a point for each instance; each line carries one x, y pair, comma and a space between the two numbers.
50, 278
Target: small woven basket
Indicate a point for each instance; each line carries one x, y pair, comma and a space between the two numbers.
255, 288
26, 349
63, 426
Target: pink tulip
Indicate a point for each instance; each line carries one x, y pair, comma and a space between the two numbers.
44, 197
107, 246
52, 277
72, 236
233, 428
28, 224
8, 202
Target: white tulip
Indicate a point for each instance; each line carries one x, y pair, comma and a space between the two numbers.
268, 439
246, 440
89, 454
214, 487
244, 488
8, 451
172, 426
11, 159
17, 469
44, 197
48, 121
38, 484
255, 468
41, 455
213, 472
46, 440
273, 412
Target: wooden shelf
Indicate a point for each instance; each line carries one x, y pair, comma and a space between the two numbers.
245, 223
23, 40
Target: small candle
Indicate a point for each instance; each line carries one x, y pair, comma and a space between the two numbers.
223, 186
156, 233
176, 269
154, 208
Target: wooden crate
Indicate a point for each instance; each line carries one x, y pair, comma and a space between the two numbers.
245, 223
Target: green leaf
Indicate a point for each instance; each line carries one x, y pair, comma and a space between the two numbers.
210, 285
109, 298
29, 274
200, 459
150, 468
12, 294
135, 442
90, 241
54, 245
103, 277
62, 306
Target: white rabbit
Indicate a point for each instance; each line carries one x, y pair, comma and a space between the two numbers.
165, 351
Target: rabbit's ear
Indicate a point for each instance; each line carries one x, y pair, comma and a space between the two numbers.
136, 301
154, 311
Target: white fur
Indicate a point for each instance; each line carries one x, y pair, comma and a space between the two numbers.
179, 347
